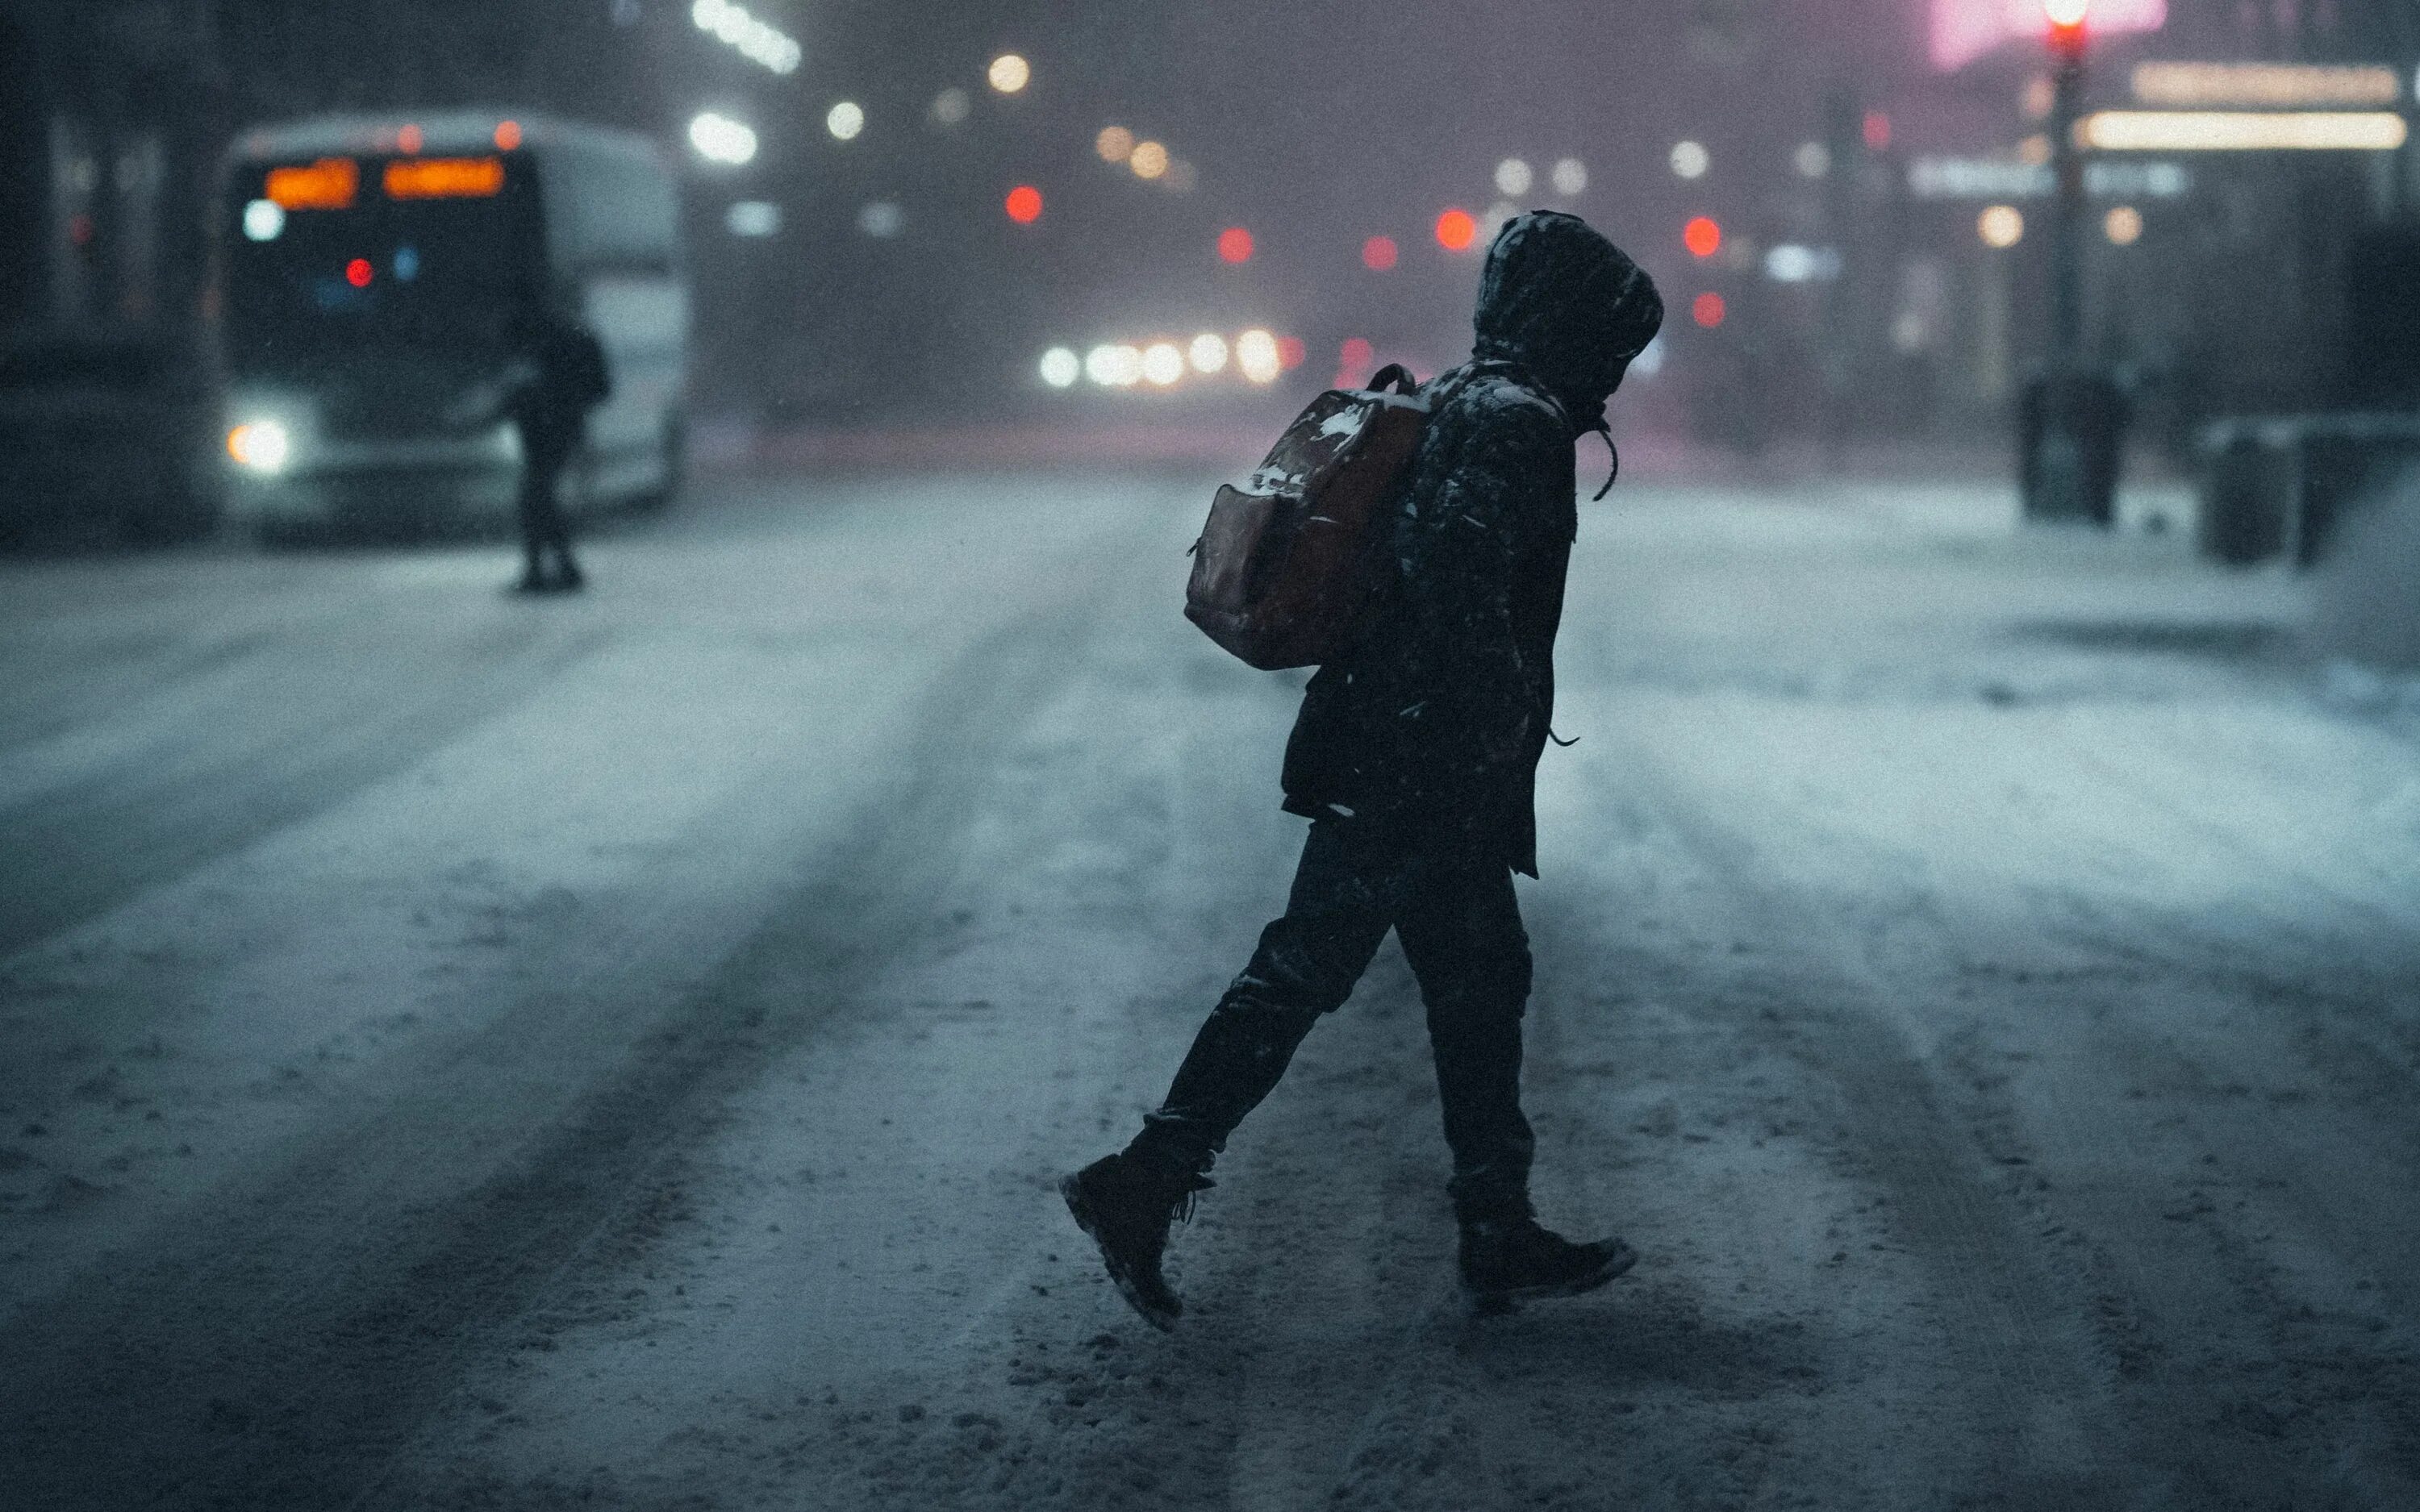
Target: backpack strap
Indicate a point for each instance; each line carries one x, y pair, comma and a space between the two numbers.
1604, 428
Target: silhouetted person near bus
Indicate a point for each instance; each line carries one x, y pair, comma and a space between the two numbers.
559, 375
1414, 756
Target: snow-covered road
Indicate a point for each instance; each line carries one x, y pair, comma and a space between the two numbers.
462, 1052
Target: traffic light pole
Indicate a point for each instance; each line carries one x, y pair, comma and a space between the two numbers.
2071, 419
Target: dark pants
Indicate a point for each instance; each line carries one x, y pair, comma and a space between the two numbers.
545, 452
1461, 929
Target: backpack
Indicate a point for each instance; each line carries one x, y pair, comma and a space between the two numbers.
1291, 557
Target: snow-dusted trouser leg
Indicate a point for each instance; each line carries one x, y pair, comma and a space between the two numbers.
1461, 929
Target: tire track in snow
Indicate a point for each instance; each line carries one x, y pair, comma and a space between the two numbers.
238, 1373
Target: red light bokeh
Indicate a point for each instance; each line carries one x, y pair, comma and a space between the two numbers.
1456, 230
1235, 245
1877, 130
1707, 310
357, 273
509, 135
1379, 253
1702, 237
1291, 352
1024, 204
408, 139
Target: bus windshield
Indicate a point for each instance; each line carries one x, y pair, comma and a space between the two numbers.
339, 254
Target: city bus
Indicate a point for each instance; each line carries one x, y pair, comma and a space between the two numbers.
369, 277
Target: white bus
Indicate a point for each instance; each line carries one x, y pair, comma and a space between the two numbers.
369, 271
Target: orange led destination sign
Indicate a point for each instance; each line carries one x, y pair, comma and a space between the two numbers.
328, 184
444, 177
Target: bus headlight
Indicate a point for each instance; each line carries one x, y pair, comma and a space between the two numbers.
261, 445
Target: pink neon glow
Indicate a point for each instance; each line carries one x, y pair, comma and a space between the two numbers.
1964, 30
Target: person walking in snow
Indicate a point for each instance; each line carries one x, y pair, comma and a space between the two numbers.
1414, 756
559, 376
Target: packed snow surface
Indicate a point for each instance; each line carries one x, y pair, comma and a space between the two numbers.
466, 1052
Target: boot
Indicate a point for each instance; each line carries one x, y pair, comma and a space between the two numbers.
1510, 1257
1128, 1209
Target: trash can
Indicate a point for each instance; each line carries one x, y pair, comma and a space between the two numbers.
2278, 485
2071, 443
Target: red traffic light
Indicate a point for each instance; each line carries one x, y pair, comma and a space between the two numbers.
1702, 237
1235, 245
1024, 204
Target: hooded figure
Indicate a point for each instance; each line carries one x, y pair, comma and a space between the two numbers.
1436, 716
1413, 758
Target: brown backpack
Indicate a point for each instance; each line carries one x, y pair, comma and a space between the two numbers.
1290, 557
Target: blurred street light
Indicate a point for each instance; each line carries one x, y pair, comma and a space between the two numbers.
1148, 160
1379, 253
1512, 178
1813, 159
2000, 225
751, 38
1690, 159
952, 105
1162, 364
1062, 367
1009, 73
1114, 145
1570, 177
1256, 355
1708, 309
1235, 245
844, 120
1208, 352
1456, 230
2123, 225
882, 220
1023, 204
1702, 236
721, 139
752, 218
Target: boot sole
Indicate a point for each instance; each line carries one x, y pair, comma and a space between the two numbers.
1492, 1304
1072, 1190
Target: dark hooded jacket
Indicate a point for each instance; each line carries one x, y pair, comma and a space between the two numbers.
1434, 717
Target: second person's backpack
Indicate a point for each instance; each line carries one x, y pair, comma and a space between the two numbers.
1290, 557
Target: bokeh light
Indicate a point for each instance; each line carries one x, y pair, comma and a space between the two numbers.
1354, 361
1291, 352
408, 139
509, 135
1379, 253
721, 139
1162, 364
1708, 309
1116, 144
1512, 178
1256, 354
1456, 230
952, 106
1024, 204
1876, 129
1690, 159
2123, 225
1113, 365
1235, 245
1208, 352
1009, 73
1148, 160
1702, 237
844, 120
358, 272
2000, 225
1062, 367
882, 220
1813, 159
1570, 175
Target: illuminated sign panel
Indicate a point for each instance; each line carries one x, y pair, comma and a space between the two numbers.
445, 179
1964, 30
2220, 131
2277, 85
329, 184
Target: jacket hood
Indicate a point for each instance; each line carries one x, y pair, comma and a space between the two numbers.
1568, 305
